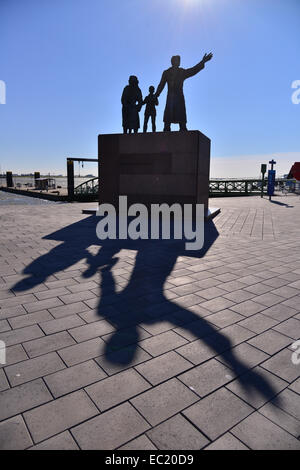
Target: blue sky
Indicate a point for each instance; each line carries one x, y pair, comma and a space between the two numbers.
66, 62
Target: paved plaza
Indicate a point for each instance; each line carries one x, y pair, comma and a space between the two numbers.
143, 345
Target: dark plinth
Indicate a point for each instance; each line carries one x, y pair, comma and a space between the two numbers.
170, 167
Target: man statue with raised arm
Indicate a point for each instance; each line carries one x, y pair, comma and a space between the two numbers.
174, 76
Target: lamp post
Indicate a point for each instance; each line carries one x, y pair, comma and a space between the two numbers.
263, 170
271, 179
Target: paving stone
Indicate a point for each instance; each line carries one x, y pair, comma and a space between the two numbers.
116, 361
33, 368
258, 433
196, 330
61, 324
227, 442
257, 386
63, 441
79, 296
295, 386
239, 296
21, 335
295, 284
177, 434
204, 280
124, 337
14, 434
270, 341
197, 310
217, 413
289, 402
12, 312
248, 308
92, 330
83, 286
281, 418
162, 343
294, 302
158, 327
110, 429
187, 300
82, 352
140, 443
224, 318
207, 377
49, 293
16, 300
286, 291
212, 292
116, 389
3, 381
163, 367
42, 305
61, 283
215, 305
258, 323
6, 294
23, 397
232, 286
289, 328
73, 378
14, 354
280, 312
235, 334
197, 351
47, 344
276, 282
30, 319
186, 289
71, 309
281, 365
91, 316
249, 280
59, 415
179, 281
163, 401
4, 325
258, 289
268, 299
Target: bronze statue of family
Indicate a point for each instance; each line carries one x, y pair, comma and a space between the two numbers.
132, 99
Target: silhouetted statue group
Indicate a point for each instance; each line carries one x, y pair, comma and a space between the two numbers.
175, 112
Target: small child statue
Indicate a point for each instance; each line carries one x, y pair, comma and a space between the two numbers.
150, 101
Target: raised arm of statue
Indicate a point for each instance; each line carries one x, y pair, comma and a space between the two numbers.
194, 70
161, 85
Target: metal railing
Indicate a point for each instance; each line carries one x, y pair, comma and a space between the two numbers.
216, 187
89, 187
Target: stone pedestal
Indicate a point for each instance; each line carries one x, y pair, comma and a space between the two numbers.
170, 167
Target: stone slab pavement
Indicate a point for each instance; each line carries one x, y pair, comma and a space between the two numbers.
143, 345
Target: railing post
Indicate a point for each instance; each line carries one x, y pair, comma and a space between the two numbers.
9, 179
70, 175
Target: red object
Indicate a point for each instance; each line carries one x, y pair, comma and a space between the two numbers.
295, 171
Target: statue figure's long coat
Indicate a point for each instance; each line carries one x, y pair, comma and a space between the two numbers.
175, 107
132, 101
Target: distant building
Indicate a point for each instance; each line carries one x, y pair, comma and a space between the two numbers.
295, 171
